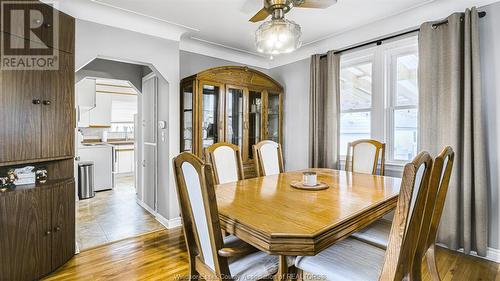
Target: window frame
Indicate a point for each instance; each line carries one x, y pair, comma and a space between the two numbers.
391, 63
384, 89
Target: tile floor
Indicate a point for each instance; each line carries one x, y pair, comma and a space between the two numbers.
112, 215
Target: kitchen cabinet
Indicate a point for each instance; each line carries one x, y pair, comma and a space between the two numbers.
37, 226
231, 104
85, 92
83, 117
86, 100
100, 115
125, 159
102, 156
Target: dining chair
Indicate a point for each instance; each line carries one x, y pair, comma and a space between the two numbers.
365, 156
226, 162
352, 259
212, 256
378, 233
268, 158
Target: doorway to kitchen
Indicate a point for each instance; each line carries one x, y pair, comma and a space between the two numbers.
117, 117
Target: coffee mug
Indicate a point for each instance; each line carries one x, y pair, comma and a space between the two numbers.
310, 178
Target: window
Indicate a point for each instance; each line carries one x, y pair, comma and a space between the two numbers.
379, 98
355, 101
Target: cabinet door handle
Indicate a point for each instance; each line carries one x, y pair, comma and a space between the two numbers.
48, 25
57, 228
47, 102
36, 101
48, 232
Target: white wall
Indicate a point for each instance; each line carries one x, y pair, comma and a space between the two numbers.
192, 63
101, 41
295, 78
490, 70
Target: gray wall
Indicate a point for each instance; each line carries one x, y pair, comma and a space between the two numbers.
192, 63
295, 78
109, 69
490, 70
100, 41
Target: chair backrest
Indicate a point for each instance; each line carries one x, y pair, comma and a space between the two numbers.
195, 190
365, 155
444, 167
226, 162
438, 187
408, 217
268, 158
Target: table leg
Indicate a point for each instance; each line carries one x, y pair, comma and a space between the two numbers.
282, 274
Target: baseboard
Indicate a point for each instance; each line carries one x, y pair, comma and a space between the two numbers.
169, 223
146, 207
492, 254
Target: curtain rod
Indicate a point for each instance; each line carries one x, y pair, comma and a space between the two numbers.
379, 41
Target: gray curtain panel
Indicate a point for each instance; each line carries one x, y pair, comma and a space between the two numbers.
450, 114
324, 111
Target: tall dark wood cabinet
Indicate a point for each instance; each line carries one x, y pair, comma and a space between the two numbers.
37, 123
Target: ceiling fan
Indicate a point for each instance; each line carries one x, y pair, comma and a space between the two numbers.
278, 8
280, 35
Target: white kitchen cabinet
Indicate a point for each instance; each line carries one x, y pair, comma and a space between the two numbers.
100, 115
83, 117
125, 160
102, 156
86, 100
85, 92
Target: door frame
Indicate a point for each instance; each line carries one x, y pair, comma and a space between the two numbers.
140, 161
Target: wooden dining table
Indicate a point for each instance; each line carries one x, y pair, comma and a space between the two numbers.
271, 215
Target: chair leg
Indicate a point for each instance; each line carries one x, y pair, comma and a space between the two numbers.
431, 263
300, 274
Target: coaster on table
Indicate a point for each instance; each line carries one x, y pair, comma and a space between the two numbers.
300, 185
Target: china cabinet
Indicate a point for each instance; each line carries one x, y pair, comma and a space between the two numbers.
233, 104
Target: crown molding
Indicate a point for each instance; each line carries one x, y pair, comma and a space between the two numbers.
101, 13
211, 49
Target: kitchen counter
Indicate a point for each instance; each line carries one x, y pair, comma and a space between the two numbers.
110, 141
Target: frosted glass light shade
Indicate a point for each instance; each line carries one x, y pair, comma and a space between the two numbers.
278, 36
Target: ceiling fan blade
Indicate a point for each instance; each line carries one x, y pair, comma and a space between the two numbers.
317, 4
260, 16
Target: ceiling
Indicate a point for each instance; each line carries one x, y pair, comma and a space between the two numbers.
225, 22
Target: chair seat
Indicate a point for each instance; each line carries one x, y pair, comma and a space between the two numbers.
376, 233
252, 267
347, 260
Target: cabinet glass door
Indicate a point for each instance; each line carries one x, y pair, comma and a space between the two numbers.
254, 120
234, 116
187, 117
210, 115
273, 117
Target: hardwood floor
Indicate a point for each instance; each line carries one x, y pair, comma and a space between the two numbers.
113, 215
162, 256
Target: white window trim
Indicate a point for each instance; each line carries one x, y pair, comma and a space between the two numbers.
383, 91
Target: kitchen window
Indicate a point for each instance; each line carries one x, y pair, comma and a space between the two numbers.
379, 98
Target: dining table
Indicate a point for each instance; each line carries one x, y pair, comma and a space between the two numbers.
271, 215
